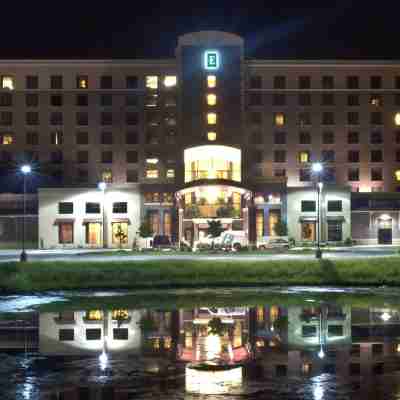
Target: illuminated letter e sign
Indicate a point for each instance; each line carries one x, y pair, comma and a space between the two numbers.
211, 59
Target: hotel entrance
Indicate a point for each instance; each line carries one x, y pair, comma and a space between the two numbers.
93, 234
385, 229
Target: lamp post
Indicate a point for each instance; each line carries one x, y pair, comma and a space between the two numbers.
103, 186
26, 170
317, 169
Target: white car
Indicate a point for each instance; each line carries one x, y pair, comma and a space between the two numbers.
274, 242
234, 240
207, 240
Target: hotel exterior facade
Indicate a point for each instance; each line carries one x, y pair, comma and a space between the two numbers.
207, 134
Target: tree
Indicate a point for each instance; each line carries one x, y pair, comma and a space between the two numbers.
121, 235
145, 229
280, 228
214, 229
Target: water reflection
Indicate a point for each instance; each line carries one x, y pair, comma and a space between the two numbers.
317, 350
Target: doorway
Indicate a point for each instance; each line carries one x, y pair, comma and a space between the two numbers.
93, 233
385, 236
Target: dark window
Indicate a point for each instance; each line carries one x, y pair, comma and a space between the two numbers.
279, 156
328, 137
82, 138
304, 175
82, 118
255, 82
66, 208
6, 118
132, 175
107, 157
328, 82
56, 82
281, 370
397, 82
106, 138
106, 82
304, 118
256, 137
279, 173
376, 82
32, 118
376, 174
329, 174
56, 118
353, 174
334, 205
255, 118
32, 138
120, 334
120, 208
65, 335
304, 138
328, 118
258, 156
32, 82
131, 82
279, 137
304, 99
92, 208
106, 118
307, 205
82, 100
352, 137
353, 100
397, 155
376, 137
152, 137
279, 82
56, 157
352, 82
335, 330
255, 99
131, 138
376, 118
106, 100
304, 82
376, 156
82, 157
308, 331
352, 118
131, 100
397, 137
56, 100
353, 156
32, 100
328, 155
132, 118
93, 334
328, 99
57, 138
279, 99
82, 175
6, 99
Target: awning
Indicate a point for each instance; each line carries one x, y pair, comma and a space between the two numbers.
121, 220
307, 219
92, 221
335, 218
64, 221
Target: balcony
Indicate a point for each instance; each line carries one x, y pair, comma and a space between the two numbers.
212, 211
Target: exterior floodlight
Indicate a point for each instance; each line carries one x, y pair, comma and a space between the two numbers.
317, 167
102, 186
385, 316
103, 360
321, 354
26, 169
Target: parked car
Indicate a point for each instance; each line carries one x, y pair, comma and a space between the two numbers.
207, 241
234, 240
277, 242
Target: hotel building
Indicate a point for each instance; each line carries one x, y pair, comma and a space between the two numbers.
207, 134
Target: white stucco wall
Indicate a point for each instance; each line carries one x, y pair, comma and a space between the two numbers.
48, 213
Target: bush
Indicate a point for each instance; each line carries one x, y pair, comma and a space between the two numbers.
292, 242
348, 241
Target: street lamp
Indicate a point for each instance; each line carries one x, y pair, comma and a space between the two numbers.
26, 170
317, 168
103, 186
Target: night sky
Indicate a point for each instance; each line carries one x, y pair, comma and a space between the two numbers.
130, 29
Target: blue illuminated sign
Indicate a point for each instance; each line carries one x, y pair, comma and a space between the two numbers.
211, 59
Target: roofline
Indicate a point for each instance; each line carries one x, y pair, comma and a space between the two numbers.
123, 62
318, 63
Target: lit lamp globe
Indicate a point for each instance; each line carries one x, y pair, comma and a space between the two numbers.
317, 167
102, 186
26, 169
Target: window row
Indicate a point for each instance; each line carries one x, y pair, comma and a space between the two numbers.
68, 335
326, 82
82, 82
331, 205
92, 208
327, 118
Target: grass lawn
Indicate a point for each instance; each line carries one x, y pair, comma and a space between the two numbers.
42, 276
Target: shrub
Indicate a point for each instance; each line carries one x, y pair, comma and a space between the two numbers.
348, 242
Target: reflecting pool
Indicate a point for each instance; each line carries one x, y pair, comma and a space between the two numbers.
250, 344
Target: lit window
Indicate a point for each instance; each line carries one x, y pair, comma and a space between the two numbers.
169, 81
211, 118
397, 175
106, 176
152, 173
7, 82
304, 157
152, 82
279, 119
212, 136
397, 119
82, 82
170, 173
211, 99
376, 101
152, 160
94, 315
7, 139
118, 315
211, 81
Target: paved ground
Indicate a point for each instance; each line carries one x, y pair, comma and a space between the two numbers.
95, 255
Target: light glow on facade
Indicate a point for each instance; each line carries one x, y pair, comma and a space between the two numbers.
211, 99
211, 118
152, 82
211, 81
212, 136
7, 82
170, 81
397, 119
